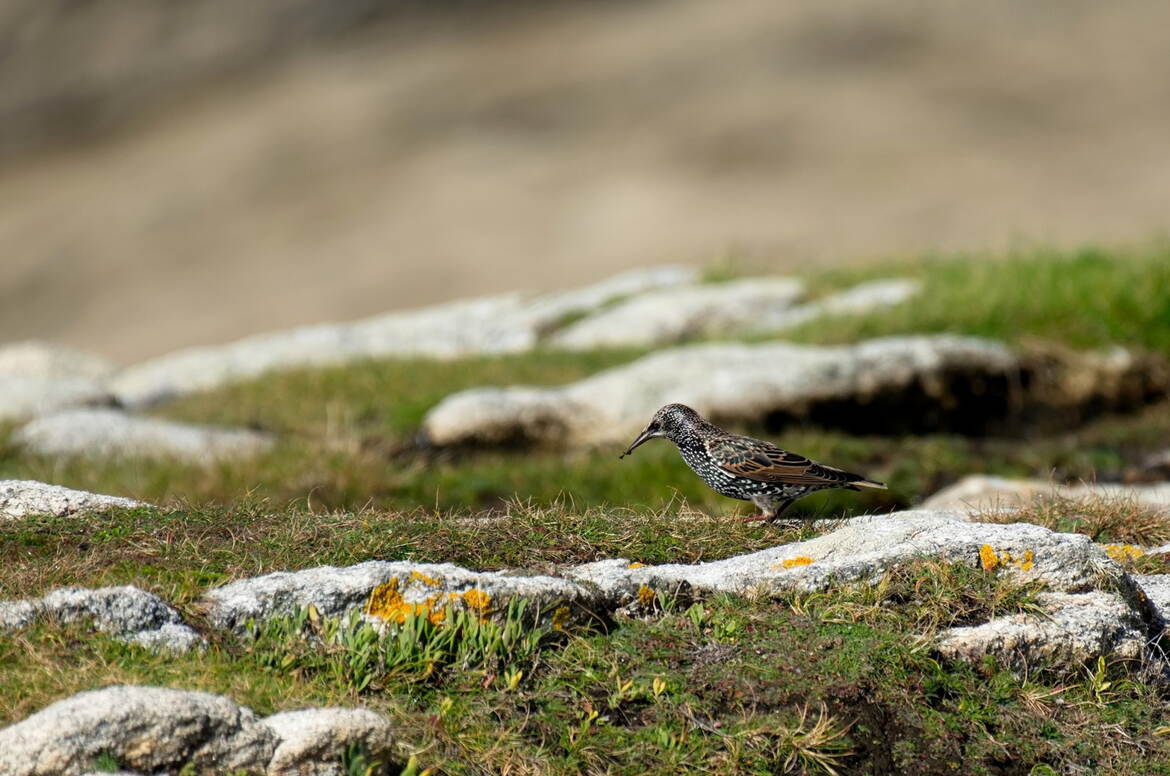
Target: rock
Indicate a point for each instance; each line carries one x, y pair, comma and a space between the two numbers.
125, 612
335, 591
147, 729
980, 492
1074, 630
24, 396
669, 316
52, 362
862, 298
311, 742
1157, 590
863, 548
109, 432
20, 498
545, 313
508, 323
734, 382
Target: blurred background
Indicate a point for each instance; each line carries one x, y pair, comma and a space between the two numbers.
190, 172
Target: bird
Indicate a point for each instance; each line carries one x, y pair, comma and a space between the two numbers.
742, 467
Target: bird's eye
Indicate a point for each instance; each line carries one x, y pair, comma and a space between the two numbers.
654, 426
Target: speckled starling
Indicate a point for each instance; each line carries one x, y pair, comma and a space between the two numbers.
745, 468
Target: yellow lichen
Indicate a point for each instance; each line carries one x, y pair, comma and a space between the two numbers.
477, 601
799, 560
1123, 553
387, 603
426, 580
990, 560
635, 565
646, 595
560, 618
987, 557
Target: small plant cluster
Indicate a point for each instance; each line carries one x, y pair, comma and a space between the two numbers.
367, 656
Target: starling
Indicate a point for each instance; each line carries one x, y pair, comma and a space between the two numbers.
744, 468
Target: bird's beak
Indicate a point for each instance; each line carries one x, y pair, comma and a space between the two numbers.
643, 437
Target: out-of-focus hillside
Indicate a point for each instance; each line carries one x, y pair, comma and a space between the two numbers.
196, 173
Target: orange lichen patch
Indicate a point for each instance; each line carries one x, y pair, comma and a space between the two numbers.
987, 557
799, 560
426, 580
560, 618
386, 603
635, 565
1123, 553
990, 560
477, 601
646, 595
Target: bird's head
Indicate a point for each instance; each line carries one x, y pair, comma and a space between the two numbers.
674, 421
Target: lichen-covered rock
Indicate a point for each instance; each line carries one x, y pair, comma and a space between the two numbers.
109, 432
668, 316
865, 547
125, 612
508, 323
311, 742
862, 298
404, 588
146, 729
24, 396
729, 382
981, 492
20, 498
1074, 630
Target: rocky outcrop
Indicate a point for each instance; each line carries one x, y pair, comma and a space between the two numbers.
980, 492
509, 323
24, 397
127, 613
1074, 629
53, 362
334, 591
862, 549
37, 377
311, 742
112, 433
1093, 606
146, 729
667, 317
153, 730
20, 498
862, 383
750, 306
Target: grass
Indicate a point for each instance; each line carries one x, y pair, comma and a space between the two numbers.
1086, 298
727, 685
177, 554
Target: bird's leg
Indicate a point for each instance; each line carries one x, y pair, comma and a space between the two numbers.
773, 515
756, 519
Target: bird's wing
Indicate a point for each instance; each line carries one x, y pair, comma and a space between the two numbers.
762, 461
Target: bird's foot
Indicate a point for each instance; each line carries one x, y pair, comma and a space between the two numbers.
756, 519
